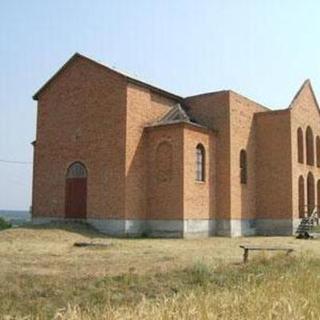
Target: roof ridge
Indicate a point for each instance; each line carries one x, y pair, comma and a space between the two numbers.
128, 77
307, 82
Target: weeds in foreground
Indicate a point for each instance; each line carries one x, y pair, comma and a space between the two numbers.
277, 288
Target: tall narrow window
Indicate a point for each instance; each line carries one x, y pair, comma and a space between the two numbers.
309, 147
318, 151
200, 163
301, 197
243, 166
318, 195
300, 145
310, 193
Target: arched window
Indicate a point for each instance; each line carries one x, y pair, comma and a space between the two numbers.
164, 161
310, 193
77, 170
301, 197
200, 163
243, 166
309, 147
318, 151
300, 145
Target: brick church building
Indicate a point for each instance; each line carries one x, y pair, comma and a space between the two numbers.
132, 159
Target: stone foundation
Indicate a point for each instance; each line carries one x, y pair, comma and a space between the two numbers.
276, 227
235, 227
186, 228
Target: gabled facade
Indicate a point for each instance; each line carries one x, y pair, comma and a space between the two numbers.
132, 159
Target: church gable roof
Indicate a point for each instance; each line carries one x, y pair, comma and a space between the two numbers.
127, 77
306, 88
176, 114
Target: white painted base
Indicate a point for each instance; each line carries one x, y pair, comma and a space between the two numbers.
149, 228
235, 227
186, 228
198, 227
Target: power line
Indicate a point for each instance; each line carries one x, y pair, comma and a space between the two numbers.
15, 162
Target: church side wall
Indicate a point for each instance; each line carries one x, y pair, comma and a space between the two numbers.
199, 196
274, 173
143, 108
213, 111
305, 114
81, 117
165, 181
243, 139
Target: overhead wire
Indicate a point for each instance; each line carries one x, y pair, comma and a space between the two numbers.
15, 162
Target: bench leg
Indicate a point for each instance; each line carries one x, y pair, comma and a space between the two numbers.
245, 255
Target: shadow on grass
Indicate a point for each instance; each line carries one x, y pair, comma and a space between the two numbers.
81, 228
87, 230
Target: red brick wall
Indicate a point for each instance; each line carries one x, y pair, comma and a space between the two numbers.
165, 195
274, 183
243, 136
199, 197
304, 113
143, 108
213, 111
91, 114
81, 117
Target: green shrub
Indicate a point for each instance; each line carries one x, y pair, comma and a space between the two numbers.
200, 274
4, 224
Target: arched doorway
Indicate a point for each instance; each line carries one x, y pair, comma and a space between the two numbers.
301, 197
310, 193
76, 191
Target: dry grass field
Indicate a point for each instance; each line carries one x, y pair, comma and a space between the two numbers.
43, 276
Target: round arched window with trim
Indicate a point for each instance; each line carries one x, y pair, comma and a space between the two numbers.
77, 170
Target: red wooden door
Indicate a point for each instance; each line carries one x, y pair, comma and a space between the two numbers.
76, 192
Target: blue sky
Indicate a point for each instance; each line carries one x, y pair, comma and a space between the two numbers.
262, 49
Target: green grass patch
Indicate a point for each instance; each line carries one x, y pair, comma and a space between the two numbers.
4, 224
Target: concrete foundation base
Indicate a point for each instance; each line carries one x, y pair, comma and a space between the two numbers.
235, 227
186, 228
276, 227
155, 228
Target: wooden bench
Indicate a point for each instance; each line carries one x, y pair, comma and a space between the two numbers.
247, 248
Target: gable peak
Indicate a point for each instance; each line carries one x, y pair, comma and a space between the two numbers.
177, 113
305, 85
